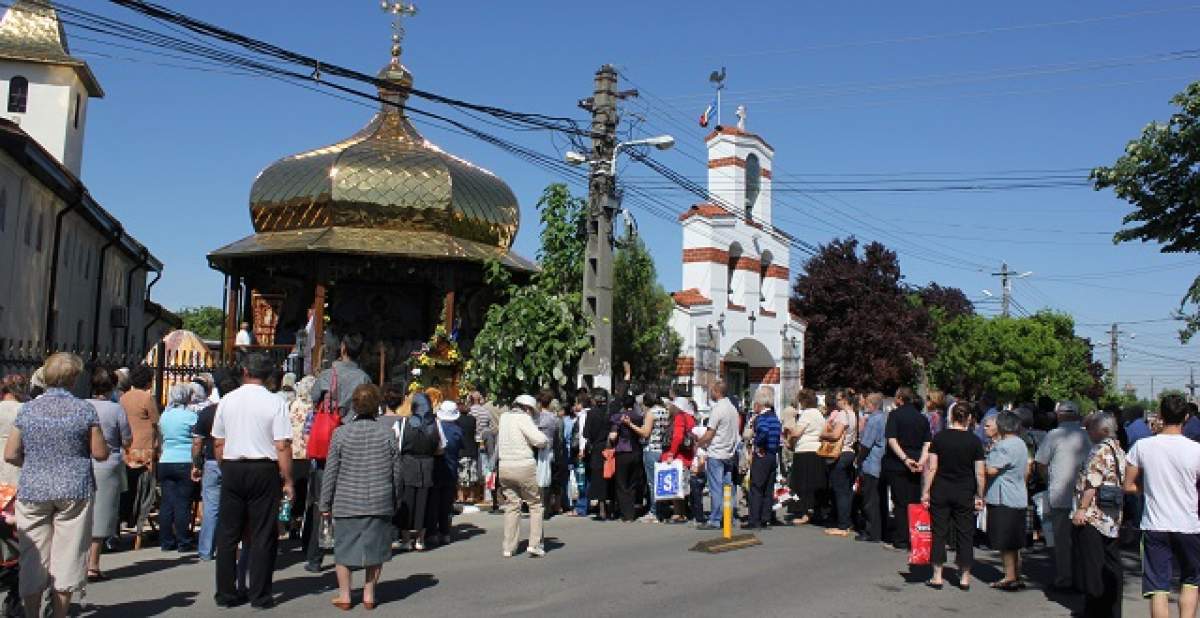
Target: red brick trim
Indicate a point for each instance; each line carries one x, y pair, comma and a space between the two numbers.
690, 298
763, 375
736, 162
685, 366
705, 254
733, 307
712, 211
774, 271
766, 313
748, 264
721, 130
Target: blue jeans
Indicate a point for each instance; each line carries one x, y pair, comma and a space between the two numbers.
720, 473
649, 458
210, 496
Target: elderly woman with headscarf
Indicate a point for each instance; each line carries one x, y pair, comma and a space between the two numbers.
419, 442
174, 468
1007, 467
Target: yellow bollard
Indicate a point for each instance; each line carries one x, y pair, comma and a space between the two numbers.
727, 512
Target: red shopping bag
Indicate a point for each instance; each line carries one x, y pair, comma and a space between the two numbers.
920, 534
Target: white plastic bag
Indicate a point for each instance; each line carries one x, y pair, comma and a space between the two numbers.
670, 481
572, 487
544, 472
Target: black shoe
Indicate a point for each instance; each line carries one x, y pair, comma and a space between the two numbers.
749, 527
186, 549
707, 526
169, 547
313, 567
266, 603
229, 600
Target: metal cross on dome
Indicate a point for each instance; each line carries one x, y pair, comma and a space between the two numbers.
399, 11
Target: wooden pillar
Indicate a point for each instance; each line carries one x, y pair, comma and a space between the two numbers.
448, 303
231, 319
318, 326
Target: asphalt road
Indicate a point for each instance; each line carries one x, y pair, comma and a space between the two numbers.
602, 569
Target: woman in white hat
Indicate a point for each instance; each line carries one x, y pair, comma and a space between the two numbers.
445, 472
518, 441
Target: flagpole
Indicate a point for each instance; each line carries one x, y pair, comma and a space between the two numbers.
719, 88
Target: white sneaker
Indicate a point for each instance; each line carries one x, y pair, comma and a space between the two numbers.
536, 552
506, 554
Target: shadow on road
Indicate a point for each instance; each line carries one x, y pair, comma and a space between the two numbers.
149, 607
393, 590
145, 567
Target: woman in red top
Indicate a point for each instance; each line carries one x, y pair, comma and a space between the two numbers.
681, 445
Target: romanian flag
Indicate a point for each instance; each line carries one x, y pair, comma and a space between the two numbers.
708, 113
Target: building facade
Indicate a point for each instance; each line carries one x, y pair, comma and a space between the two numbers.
732, 312
73, 277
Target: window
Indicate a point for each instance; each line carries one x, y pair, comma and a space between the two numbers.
18, 94
735, 253
78, 103
766, 290
753, 183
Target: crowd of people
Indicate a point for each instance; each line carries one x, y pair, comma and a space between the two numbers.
337, 463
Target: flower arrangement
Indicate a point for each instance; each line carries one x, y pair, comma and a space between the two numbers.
438, 357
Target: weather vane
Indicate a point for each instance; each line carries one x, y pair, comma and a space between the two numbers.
399, 10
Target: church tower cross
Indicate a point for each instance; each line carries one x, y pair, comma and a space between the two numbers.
399, 11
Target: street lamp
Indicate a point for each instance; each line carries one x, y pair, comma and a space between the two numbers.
661, 142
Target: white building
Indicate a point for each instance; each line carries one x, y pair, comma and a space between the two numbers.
733, 309
70, 276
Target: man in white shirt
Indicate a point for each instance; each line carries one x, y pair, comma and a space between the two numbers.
1059, 458
1166, 469
253, 441
720, 442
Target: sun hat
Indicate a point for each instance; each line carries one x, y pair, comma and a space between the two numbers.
448, 411
526, 400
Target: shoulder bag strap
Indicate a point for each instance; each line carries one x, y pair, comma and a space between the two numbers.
1116, 464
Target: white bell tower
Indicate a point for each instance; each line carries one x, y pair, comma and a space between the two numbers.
44, 89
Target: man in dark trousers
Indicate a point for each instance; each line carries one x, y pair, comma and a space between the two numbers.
908, 437
253, 441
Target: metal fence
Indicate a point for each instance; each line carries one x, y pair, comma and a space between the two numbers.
25, 357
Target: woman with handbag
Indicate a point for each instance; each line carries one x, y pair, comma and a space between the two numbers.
838, 440
807, 474
1097, 519
600, 457
628, 427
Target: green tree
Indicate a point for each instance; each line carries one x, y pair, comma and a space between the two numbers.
535, 337
204, 321
1019, 359
1159, 174
642, 334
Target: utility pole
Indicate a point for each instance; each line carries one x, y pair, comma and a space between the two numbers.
1005, 288
1191, 385
1114, 355
598, 262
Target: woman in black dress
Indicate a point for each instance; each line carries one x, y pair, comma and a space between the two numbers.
595, 430
953, 493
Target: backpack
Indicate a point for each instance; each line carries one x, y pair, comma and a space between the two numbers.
326, 419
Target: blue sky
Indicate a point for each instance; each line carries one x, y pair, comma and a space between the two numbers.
845, 92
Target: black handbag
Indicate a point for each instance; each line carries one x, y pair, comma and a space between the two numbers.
1112, 497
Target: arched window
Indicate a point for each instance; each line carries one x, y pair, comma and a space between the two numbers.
735, 254
753, 183
18, 94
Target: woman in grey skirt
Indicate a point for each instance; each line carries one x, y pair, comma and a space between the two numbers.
360, 498
110, 473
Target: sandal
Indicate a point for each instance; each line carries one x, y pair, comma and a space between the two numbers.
1007, 586
94, 575
837, 532
800, 521
340, 604
935, 585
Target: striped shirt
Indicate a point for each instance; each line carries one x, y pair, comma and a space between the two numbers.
658, 433
766, 431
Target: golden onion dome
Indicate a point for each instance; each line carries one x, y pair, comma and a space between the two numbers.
386, 177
